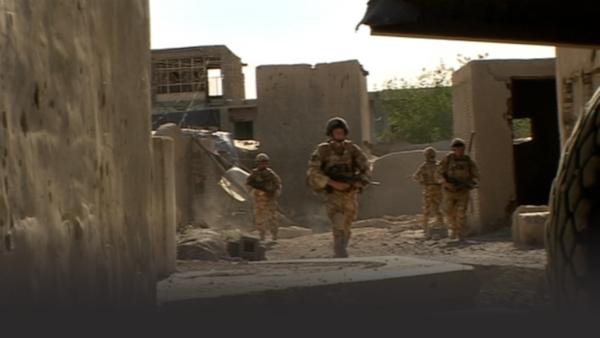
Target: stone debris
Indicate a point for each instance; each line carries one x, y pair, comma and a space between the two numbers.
201, 244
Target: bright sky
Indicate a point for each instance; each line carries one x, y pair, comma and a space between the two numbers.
309, 31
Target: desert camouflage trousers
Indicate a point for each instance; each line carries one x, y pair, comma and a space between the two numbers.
266, 215
456, 210
432, 201
342, 208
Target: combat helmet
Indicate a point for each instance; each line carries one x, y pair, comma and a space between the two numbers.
262, 157
429, 153
334, 123
457, 142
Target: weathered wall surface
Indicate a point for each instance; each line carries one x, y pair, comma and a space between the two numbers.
164, 208
481, 103
578, 77
397, 194
294, 103
75, 154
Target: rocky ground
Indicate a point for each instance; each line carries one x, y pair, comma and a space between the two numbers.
511, 278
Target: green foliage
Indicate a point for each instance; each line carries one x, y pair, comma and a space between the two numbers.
421, 111
521, 128
418, 115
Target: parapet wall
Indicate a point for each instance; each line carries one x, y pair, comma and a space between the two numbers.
398, 193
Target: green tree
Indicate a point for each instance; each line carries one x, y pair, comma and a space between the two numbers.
420, 111
418, 115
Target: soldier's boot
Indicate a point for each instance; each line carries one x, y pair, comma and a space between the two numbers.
426, 229
345, 241
262, 235
338, 243
439, 222
462, 235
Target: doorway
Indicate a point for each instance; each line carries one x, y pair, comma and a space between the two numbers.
536, 139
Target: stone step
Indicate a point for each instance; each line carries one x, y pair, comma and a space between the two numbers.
404, 283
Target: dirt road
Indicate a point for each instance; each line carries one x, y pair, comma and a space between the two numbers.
511, 278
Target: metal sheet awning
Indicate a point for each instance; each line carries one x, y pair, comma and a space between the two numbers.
546, 22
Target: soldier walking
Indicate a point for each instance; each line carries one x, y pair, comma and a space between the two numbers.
265, 186
460, 175
427, 176
339, 169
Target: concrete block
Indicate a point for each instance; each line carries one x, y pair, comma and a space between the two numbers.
247, 247
528, 224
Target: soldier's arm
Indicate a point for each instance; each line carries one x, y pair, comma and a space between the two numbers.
474, 170
443, 169
418, 175
316, 177
436, 174
278, 183
248, 180
362, 163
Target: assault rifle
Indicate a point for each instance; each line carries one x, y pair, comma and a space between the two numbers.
352, 179
260, 185
460, 184
340, 173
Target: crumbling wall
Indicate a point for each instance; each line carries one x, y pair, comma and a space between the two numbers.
75, 154
294, 102
398, 193
210, 57
481, 104
578, 77
210, 204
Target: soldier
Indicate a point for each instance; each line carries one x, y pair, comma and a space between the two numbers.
460, 175
339, 169
427, 176
265, 187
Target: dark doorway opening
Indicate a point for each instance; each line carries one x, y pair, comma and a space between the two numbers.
536, 140
243, 130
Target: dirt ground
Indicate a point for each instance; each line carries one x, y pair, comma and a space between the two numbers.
510, 278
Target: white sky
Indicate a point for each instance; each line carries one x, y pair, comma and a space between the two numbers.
309, 31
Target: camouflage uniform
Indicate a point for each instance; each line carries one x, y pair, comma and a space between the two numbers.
427, 176
336, 160
266, 187
463, 169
